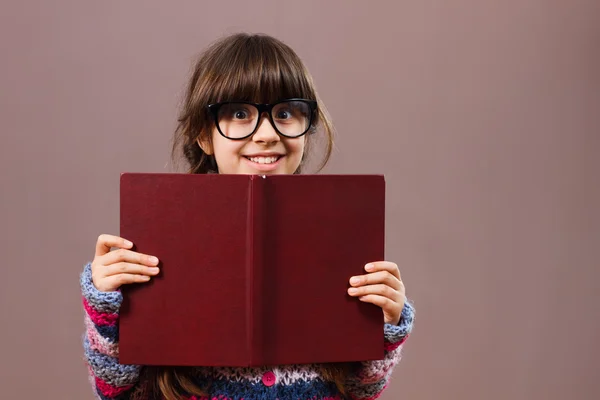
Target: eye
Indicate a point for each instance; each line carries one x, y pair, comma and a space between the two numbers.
291, 111
236, 112
240, 114
283, 114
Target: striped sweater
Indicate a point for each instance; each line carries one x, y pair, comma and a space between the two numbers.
111, 380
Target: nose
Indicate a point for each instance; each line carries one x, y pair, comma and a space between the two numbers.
265, 133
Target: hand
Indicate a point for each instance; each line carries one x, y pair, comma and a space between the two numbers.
111, 269
383, 287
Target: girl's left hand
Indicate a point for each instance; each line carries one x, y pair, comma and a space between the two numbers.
383, 287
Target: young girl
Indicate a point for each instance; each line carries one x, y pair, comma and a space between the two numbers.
250, 108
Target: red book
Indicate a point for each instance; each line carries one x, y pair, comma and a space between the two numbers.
254, 269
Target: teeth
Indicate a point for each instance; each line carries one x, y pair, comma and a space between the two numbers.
263, 160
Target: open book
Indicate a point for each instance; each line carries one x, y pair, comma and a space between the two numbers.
254, 269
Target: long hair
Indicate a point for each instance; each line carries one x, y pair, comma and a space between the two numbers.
243, 67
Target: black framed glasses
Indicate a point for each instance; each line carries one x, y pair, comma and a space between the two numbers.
237, 120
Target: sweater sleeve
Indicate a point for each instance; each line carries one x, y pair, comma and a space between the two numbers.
109, 379
372, 377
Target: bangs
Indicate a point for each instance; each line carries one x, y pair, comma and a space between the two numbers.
258, 70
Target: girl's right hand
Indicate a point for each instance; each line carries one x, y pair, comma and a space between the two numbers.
111, 269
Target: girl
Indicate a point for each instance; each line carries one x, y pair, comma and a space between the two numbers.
250, 108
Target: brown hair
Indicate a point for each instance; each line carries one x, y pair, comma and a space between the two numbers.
245, 67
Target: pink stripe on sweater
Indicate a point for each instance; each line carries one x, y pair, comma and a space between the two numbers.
374, 371
100, 318
374, 374
99, 343
109, 390
393, 346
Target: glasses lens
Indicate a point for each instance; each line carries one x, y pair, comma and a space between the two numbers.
292, 118
237, 120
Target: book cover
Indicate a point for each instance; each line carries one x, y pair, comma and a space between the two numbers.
254, 268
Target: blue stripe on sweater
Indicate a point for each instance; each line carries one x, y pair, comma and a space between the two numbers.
394, 333
108, 368
258, 391
108, 302
109, 332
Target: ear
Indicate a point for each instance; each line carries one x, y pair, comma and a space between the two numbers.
205, 145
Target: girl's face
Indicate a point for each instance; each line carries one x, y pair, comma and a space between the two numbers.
265, 152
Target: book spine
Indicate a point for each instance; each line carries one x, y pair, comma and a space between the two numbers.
254, 268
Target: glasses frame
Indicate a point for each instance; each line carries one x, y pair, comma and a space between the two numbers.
263, 108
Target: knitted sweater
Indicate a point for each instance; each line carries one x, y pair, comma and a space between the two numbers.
111, 380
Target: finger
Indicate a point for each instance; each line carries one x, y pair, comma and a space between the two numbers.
386, 304
384, 277
116, 281
380, 290
384, 266
129, 268
129, 256
106, 242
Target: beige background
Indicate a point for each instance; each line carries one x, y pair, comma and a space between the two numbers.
484, 116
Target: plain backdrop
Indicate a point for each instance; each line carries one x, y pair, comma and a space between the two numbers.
484, 117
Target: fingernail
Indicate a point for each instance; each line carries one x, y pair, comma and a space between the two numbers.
354, 280
154, 260
154, 270
369, 267
128, 243
352, 291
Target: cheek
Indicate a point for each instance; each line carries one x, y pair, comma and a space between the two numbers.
222, 147
298, 147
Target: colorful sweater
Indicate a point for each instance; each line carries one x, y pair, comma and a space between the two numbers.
111, 380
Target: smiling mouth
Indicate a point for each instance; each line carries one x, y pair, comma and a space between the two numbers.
264, 160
